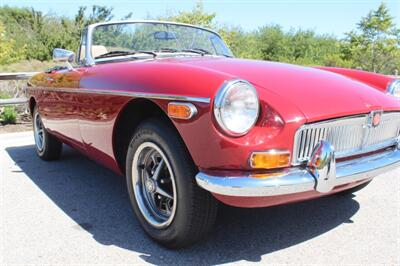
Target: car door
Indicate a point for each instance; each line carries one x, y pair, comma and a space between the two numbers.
99, 110
61, 109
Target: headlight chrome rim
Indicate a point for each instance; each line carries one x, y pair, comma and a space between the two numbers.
391, 86
218, 105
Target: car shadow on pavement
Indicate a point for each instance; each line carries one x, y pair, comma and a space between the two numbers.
96, 199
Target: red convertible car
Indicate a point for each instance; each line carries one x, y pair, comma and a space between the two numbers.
169, 107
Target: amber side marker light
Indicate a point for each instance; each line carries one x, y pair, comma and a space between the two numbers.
181, 110
270, 159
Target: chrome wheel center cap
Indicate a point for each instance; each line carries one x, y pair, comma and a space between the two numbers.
150, 186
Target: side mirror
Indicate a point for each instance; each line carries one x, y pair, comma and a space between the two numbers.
65, 56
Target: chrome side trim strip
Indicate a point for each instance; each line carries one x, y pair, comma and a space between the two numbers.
298, 179
129, 94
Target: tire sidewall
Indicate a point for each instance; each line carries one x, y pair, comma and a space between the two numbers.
52, 147
39, 152
162, 136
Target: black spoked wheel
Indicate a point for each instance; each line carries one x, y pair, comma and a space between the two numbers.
154, 185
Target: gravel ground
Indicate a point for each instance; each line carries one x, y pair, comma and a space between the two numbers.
74, 211
19, 127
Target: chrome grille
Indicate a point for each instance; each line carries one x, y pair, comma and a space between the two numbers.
349, 136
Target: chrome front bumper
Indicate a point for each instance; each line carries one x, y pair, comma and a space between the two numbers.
303, 179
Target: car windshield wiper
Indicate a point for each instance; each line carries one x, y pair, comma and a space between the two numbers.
194, 50
202, 51
122, 53
167, 50
197, 51
154, 54
114, 53
226, 55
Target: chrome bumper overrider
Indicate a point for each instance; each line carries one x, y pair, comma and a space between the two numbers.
321, 174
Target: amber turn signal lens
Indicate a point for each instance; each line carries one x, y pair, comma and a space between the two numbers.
268, 175
181, 110
270, 159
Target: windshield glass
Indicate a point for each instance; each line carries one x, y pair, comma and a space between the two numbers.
118, 39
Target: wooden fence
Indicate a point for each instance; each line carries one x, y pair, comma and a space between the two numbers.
15, 76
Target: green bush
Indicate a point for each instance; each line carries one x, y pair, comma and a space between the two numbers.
9, 115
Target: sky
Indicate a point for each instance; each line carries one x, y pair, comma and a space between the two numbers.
324, 16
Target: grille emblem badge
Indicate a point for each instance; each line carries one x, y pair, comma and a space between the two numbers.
376, 119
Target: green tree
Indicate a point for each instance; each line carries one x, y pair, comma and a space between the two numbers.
273, 44
197, 16
23, 25
39, 34
8, 52
82, 20
374, 46
242, 44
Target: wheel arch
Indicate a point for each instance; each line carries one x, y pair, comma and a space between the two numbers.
31, 105
133, 113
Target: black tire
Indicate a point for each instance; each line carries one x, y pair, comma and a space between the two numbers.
196, 209
49, 148
354, 189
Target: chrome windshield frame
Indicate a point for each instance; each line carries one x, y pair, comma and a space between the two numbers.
89, 60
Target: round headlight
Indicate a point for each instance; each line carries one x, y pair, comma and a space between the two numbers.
394, 88
236, 107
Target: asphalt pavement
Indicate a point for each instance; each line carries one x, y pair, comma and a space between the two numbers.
74, 211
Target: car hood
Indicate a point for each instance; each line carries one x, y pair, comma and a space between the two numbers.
318, 94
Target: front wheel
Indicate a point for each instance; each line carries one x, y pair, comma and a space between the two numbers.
48, 147
160, 174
